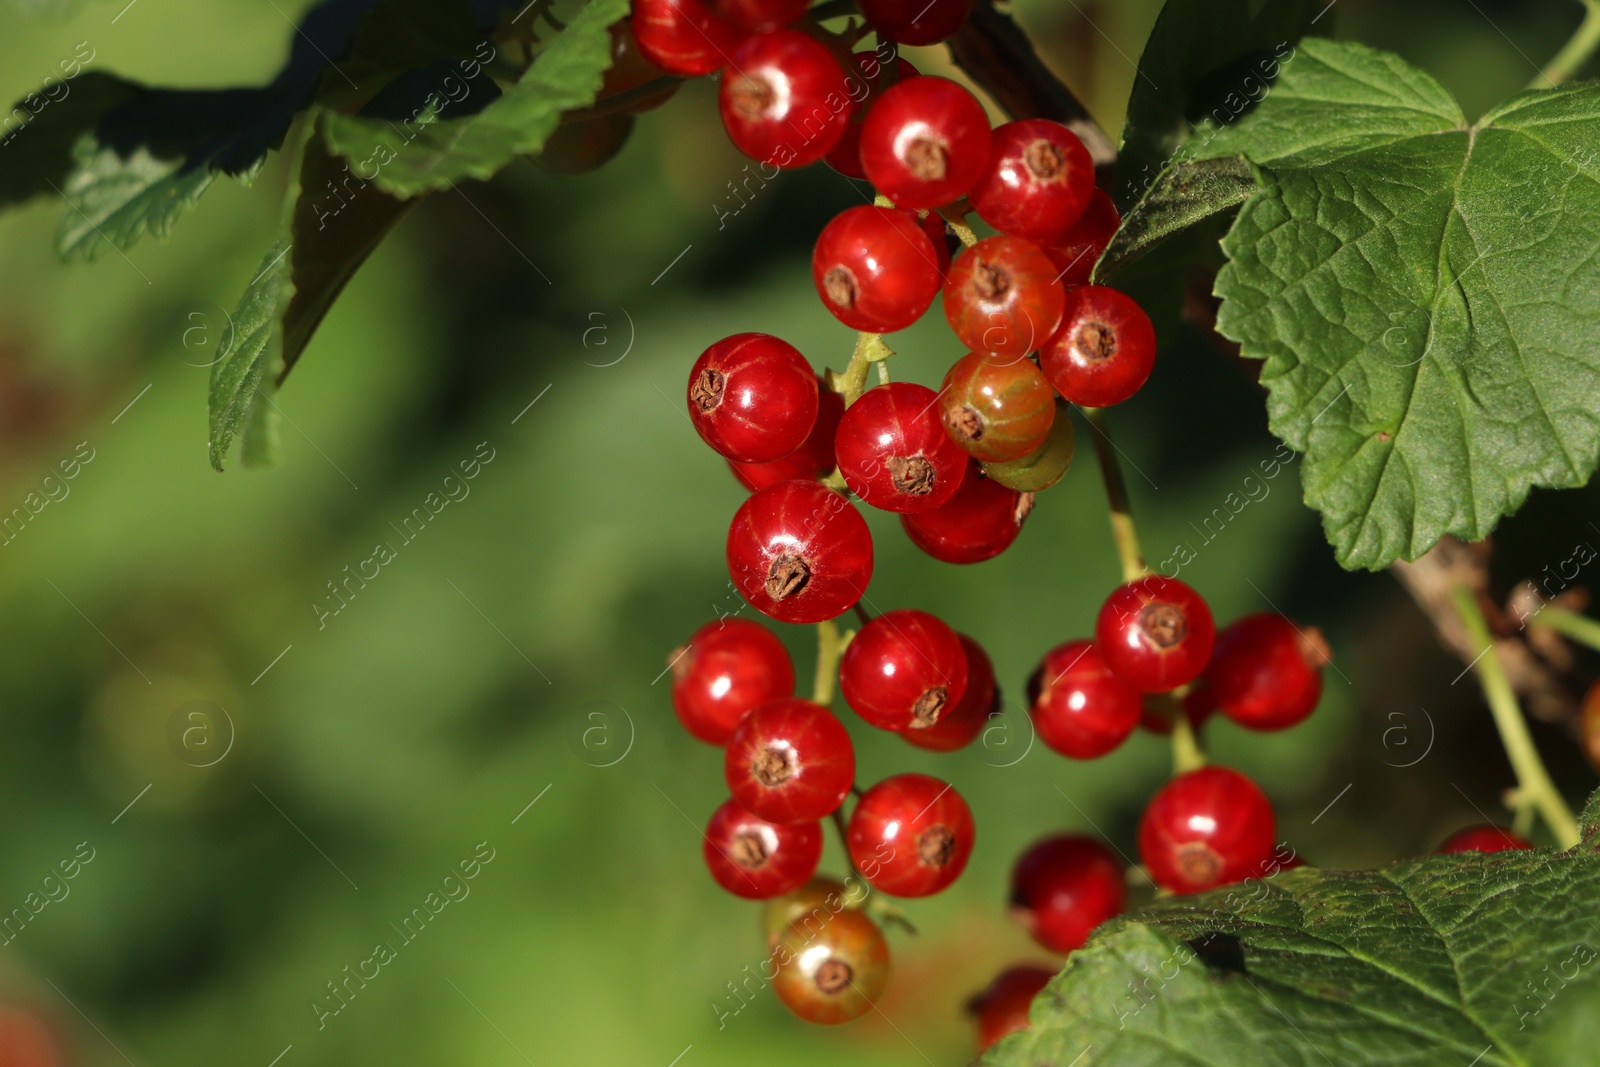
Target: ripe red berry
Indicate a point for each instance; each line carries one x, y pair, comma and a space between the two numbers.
1265, 672
756, 859
1206, 828
1483, 838
924, 142
630, 69
1155, 633
978, 523
916, 22
784, 99
684, 37
799, 552
1003, 1008
910, 835
1065, 886
876, 268
997, 408
893, 451
845, 156
1104, 349
1076, 253
757, 15
727, 668
790, 761
903, 670
1045, 465
1037, 183
834, 973
959, 725
753, 397
812, 460
1002, 297
1079, 707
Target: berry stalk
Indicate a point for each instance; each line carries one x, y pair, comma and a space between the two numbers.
1186, 752
1575, 53
1535, 790
1122, 528
830, 646
1569, 624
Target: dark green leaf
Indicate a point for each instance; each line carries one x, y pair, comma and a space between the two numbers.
1206, 61
1473, 958
334, 224
1422, 293
1187, 193
433, 153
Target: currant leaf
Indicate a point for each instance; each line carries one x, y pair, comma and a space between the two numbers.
423, 156
1420, 289
1437, 960
331, 229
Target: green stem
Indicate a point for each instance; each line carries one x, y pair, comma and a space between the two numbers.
844, 843
1534, 787
830, 646
1186, 753
1579, 628
1122, 529
957, 221
1575, 53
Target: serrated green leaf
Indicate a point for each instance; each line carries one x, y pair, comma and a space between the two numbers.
334, 222
256, 351
1422, 292
1445, 960
112, 201
424, 156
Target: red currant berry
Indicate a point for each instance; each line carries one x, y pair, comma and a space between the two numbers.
756, 859
1003, 1008
1265, 672
790, 761
1483, 838
1076, 254
845, 157
1065, 886
815, 902
1155, 633
812, 460
1046, 465
910, 835
893, 451
1104, 349
784, 99
753, 397
978, 523
1206, 828
934, 227
876, 269
1037, 183
903, 670
582, 147
727, 668
1079, 707
916, 22
834, 974
630, 69
799, 552
924, 142
684, 37
757, 15
958, 726
997, 408
1002, 297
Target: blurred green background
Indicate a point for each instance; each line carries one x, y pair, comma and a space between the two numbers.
512, 655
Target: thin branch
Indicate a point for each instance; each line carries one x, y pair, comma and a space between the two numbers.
994, 52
